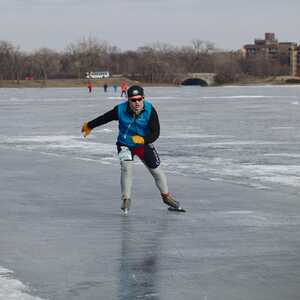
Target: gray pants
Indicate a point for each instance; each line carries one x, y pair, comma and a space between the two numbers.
126, 178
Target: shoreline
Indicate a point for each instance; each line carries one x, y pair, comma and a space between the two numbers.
68, 83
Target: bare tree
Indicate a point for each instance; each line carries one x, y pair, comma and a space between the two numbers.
45, 62
89, 54
156, 63
8, 58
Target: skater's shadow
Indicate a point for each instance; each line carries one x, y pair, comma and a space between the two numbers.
140, 249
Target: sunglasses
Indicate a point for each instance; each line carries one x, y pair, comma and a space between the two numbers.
134, 100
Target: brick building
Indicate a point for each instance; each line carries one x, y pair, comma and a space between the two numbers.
269, 47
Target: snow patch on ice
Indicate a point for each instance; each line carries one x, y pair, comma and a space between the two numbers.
193, 136
290, 155
13, 289
254, 175
245, 97
59, 145
282, 128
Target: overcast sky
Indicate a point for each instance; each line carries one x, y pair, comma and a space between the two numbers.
129, 24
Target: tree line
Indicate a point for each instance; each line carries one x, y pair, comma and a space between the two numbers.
156, 63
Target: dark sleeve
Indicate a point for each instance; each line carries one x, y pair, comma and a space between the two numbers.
154, 128
109, 116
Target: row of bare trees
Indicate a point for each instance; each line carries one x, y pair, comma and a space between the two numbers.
156, 63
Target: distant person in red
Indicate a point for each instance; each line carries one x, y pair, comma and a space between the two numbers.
90, 86
124, 88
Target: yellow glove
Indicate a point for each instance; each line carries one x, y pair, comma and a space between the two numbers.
137, 139
86, 130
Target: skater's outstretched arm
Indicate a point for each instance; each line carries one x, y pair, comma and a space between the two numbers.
109, 116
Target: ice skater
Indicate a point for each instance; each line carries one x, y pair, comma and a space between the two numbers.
124, 88
105, 87
138, 129
90, 87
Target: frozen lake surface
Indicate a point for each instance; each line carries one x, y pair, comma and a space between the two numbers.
246, 135
232, 158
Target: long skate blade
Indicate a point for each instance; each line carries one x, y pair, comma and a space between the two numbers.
179, 209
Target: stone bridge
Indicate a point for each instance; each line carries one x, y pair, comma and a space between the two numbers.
202, 79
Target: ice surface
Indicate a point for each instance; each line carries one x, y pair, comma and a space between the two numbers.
61, 230
13, 289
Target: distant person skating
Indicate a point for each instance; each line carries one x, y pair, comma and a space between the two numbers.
115, 87
105, 87
124, 88
138, 129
